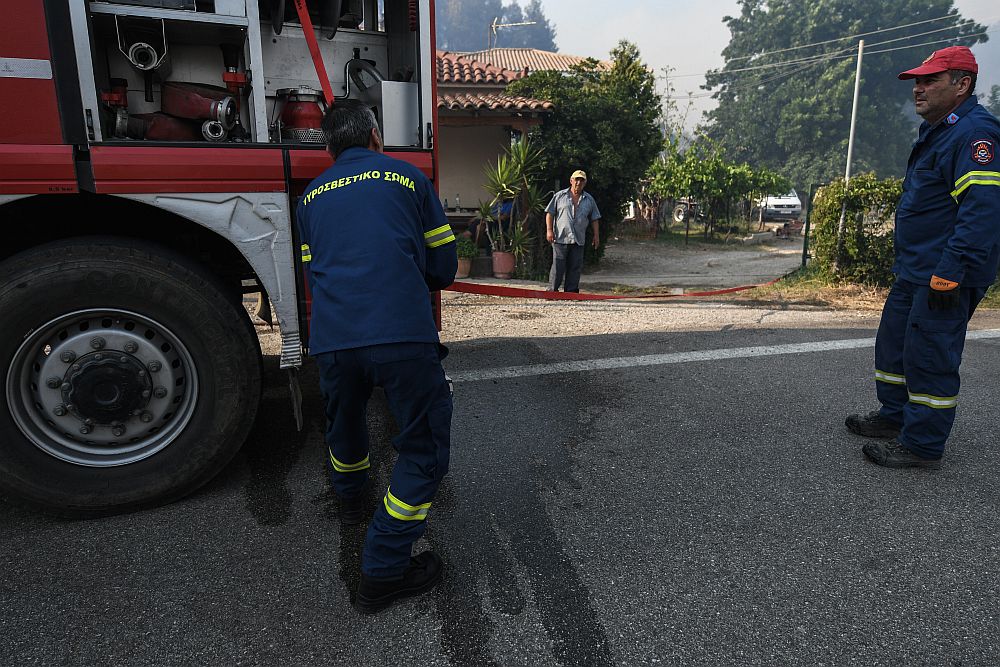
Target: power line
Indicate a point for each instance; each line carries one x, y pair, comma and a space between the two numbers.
939, 41
829, 57
830, 54
840, 39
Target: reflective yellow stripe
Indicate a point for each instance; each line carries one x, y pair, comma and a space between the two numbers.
435, 232
442, 241
975, 178
439, 236
306, 253
349, 467
891, 378
937, 402
403, 511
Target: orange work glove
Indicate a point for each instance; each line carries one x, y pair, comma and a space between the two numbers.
943, 295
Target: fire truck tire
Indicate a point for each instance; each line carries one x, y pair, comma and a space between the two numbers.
130, 377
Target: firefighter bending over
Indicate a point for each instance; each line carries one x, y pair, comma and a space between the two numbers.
375, 240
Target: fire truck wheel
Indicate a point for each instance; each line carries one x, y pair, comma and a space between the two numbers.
130, 377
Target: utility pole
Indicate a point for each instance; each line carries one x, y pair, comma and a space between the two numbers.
854, 110
850, 158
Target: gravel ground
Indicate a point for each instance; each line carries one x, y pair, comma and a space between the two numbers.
467, 316
653, 263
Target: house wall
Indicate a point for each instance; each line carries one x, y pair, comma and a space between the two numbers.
463, 153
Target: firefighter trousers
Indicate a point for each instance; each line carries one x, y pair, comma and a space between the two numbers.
417, 393
917, 355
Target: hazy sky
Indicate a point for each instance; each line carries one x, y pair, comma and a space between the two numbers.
689, 36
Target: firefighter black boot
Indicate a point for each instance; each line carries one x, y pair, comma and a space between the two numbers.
872, 425
352, 510
891, 454
377, 593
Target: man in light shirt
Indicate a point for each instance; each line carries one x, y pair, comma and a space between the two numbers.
567, 217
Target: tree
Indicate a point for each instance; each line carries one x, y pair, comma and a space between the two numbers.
993, 103
719, 186
464, 26
795, 118
541, 35
605, 122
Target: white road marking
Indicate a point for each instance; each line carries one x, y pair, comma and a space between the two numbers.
678, 358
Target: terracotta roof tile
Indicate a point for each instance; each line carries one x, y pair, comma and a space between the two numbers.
533, 60
490, 102
456, 68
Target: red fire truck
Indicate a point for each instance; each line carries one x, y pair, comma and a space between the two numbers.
151, 156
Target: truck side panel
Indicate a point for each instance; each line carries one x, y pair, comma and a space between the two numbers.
38, 169
26, 75
161, 169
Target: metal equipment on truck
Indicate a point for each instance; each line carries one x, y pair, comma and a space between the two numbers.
151, 156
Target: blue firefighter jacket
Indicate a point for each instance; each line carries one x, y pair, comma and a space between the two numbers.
374, 241
948, 219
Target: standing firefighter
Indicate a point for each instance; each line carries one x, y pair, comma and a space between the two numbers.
947, 252
375, 240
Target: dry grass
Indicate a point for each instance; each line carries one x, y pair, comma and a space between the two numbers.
797, 290
804, 293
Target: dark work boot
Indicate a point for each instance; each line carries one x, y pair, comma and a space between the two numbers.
352, 510
872, 425
377, 593
891, 454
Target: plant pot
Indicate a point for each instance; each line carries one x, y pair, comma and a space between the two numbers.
464, 267
503, 264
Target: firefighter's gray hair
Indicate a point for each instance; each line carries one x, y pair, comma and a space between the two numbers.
957, 74
346, 124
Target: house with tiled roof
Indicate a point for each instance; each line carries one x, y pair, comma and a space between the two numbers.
476, 121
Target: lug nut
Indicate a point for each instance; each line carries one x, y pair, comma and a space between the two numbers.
97, 343
118, 431
130, 347
68, 357
146, 417
160, 392
98, 356
69, 406
145, 393
155, 366
59, 411
123, 358
65, 386
75, 368
85, 429
143, 373
53, 382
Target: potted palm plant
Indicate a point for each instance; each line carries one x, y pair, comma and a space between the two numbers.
467, 251
515, 199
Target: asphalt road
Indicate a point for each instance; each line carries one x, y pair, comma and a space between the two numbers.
710, 511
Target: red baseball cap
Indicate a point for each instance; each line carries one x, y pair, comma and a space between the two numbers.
942, 60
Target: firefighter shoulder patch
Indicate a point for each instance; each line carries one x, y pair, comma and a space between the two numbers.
983, 151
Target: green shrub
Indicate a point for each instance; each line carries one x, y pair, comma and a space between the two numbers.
466, 249
866, 251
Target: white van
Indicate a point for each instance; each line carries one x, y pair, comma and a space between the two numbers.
782, 207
